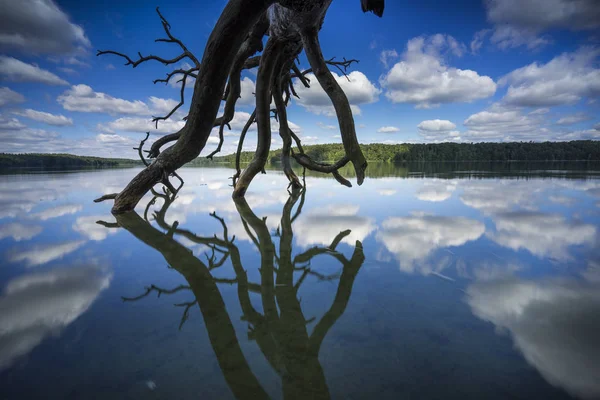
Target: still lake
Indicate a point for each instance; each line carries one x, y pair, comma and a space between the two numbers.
471, 283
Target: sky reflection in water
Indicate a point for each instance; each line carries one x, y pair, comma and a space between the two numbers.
474, 284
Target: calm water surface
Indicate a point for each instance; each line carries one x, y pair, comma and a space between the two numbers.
466, 285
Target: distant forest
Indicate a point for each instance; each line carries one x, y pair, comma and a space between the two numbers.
580, 150
586, 150
35, 160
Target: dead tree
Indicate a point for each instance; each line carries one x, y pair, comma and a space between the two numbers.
291, 26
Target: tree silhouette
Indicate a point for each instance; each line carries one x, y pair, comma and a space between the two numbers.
280, 330
291, 26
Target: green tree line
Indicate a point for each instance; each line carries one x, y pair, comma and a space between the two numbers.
587, 150
34, 160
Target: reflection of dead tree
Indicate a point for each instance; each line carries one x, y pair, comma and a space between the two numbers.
291, 26
203, 286
280, 330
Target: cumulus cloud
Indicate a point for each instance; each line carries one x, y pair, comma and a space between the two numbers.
16, 137
500, 123
320, 227
14, 70
436, 190
423, 78
84, 99
19, 231
247, 97
358, 89
162, 106
413, 239
554, 323
388, 129
586, 134
44, 253
10, 124
35, 306
8, 96
39, 26
57, 211
136, 124
88, 227
573, 119
492, 197
544, 235
47, 118
523, 22
566, 79
438, 130
436, 125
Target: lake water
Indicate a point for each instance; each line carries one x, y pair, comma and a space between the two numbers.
471, 284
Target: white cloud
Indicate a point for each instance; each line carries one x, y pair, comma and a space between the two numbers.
478, 39
14, 70
506, 37
19, 231
130, 124
545, 14
544, 235
162, 106
492, 197
39, 26
436, 190
10, 124
587, 134
8, 96
499, 123
57, 211
84, 99
35, 306
387, 56
573, 119
438, 130
566, 79
20, 139
554, 323
422, 77
540, 111
42, 254
522, 22
388, 129
247, 97
436, 125
47, 118
358, 89
320, 227
16, 137
88, 227
413, 239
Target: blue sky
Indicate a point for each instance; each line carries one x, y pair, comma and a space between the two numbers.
429, 71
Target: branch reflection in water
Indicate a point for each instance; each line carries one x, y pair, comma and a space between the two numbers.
281, 330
